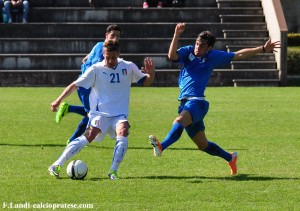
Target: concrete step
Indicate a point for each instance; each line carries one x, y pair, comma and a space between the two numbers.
48, 50
255, 82
245, 33
224, 77
234, 48
63, 78
38, 78
73, 61
163, 78
39, 62
238, 3
111, 3
262, 57
119, 15
253, 65
127, 45
241, 18
132, 30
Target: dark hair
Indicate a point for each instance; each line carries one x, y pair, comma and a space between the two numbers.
113, 27
111, 45
207, 35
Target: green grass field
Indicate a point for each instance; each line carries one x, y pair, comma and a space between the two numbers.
261, 124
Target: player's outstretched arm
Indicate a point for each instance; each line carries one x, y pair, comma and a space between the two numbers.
268, 47
149, 69
179, 29
68, 90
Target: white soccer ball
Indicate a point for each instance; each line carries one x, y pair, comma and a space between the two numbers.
77, 169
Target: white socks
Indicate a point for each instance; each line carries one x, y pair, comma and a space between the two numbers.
72, 149
76, 145
119, 152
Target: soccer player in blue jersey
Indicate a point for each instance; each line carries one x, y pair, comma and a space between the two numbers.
96, 55
198, 63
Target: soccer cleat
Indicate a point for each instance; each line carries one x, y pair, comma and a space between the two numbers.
62, 111
54, 170
145, 5
156, 145
232, 163
113, 175
159, 5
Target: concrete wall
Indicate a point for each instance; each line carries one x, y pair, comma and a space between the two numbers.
291, 9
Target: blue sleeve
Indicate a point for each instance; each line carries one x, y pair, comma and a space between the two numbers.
183, 54
222, 57
96, 55
141, 81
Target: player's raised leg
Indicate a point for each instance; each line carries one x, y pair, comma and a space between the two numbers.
72, 149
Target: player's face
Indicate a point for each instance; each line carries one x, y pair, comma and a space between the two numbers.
111, 58
113, 35
201, 47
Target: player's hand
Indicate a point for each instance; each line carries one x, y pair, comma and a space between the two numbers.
149, 69
54, 105
179, 29
271, 46
149, 66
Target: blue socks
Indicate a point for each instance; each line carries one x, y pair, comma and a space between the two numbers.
214, 150
80, 128
77, 109
172, 136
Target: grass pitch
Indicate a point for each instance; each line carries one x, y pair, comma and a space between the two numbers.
261, 124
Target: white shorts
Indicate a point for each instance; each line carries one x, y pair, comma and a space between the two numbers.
107, 125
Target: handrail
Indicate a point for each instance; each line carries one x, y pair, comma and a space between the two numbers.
278, 30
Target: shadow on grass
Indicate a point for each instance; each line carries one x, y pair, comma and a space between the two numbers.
103, 147
33, 145
200, 179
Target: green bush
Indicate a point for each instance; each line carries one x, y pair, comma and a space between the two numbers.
293, 39
293, 60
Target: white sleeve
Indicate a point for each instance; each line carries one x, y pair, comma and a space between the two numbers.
87, 80
137, 74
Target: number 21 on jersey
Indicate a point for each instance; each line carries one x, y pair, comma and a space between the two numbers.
115, 78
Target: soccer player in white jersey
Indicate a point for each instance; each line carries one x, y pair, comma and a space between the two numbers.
110, 81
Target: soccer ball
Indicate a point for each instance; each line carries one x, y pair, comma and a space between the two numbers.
77, 169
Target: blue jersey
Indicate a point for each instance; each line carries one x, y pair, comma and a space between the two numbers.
96, 55
195, 73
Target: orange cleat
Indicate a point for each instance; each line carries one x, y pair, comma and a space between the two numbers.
156, 145
232, 163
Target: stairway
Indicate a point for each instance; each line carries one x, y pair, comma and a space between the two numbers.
260, 70
48, 50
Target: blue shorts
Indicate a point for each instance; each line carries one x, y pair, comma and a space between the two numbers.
198, 109
84, 96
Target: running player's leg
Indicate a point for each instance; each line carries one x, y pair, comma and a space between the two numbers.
81, 127
122, 131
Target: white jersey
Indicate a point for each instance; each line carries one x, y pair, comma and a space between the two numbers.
110, 87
